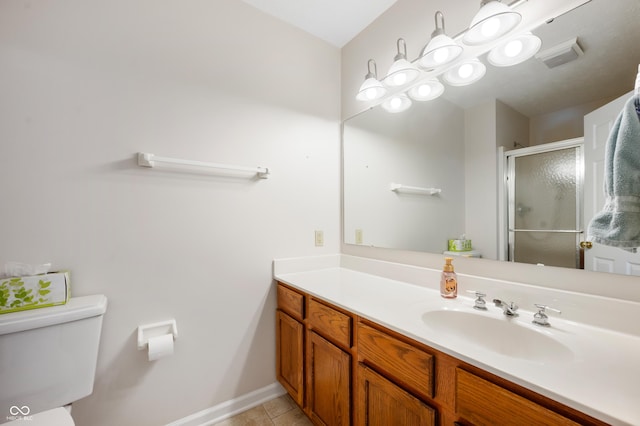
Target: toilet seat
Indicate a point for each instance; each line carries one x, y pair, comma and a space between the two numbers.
56, 417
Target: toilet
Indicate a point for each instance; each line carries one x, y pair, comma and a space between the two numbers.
48, 360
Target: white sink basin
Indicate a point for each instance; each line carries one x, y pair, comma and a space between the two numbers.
500, 335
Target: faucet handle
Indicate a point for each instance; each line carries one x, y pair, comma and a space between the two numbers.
542, 308
479, 303
540, 317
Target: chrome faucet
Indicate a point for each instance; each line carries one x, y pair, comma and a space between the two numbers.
508, 309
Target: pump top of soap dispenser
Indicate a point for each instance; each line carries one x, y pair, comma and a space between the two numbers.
448, 267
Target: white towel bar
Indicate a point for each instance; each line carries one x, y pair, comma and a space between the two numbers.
396, 187
146, 159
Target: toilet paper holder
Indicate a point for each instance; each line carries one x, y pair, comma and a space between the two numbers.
149, 331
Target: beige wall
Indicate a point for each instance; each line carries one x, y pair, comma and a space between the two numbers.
84, 85
480, 178
562, 125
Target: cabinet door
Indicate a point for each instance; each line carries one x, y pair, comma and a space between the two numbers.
328, 382
382, 403
289, 355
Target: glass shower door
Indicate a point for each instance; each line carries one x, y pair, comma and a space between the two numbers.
544, 194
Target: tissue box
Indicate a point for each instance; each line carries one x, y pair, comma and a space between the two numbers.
459, 245
32, 292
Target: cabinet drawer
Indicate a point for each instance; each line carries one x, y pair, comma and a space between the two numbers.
291, 302
484, 403
332, 324
406, 364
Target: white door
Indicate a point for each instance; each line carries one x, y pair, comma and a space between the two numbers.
597, 125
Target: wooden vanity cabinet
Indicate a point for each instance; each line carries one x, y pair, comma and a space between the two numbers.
456, 392
315, 339
341, 369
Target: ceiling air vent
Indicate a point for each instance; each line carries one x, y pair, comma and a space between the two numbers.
561, 53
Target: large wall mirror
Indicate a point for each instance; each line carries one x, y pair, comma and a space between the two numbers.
431, 148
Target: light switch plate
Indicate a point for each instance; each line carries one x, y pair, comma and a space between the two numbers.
358, 236
319, 238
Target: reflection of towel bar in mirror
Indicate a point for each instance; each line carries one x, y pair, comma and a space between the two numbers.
557, 231
396, 187
149, 160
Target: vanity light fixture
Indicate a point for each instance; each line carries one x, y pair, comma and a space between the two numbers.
426, 90
493, 20
406, 81
516, 50
401, 72
441, 49
465, 73
397, 103
371, 89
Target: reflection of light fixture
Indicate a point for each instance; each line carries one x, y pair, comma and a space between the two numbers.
371, 89
397, 103
426, 90
492, 21
518, 49
441, 49
402, 71
465, 73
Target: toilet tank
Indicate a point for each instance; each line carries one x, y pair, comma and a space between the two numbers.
48, 356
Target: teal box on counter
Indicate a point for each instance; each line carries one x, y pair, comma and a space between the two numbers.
33, 292
459, 245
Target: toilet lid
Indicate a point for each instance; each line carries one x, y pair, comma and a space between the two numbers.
56, 417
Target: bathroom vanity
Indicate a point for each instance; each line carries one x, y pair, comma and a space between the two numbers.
357, 347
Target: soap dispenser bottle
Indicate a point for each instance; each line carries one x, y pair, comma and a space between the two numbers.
449, 280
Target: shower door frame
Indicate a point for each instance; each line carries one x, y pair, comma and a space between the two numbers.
507, 249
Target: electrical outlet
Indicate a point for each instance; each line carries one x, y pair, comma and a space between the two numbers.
319, 238
358, 236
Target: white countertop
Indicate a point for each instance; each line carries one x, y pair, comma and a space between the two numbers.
597, 370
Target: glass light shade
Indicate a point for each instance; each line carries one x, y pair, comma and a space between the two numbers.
371, 90
397, 103
402, 72
440, 50
426, 90
492, 21
518, 49
465, 73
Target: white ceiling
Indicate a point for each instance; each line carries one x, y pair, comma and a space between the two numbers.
335, 21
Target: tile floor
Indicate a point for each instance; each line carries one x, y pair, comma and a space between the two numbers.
281, 411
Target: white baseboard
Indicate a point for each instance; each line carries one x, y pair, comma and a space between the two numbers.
220, 412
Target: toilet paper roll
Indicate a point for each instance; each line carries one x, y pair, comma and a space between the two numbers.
160, 346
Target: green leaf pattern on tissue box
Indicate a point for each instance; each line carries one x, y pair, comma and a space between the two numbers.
14, 294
